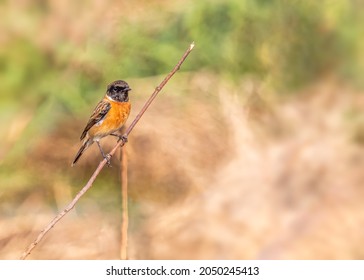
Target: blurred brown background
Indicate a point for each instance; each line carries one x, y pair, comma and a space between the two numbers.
254, 150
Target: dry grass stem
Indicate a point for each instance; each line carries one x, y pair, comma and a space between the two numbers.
124, 202
103, 162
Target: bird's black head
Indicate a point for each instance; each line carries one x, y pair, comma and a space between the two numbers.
118, 91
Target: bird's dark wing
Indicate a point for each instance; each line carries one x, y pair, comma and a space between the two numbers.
99, 113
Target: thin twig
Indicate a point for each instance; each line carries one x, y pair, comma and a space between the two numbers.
124, 202
159, 88
103, 162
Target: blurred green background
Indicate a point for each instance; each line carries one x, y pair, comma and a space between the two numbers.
295, 67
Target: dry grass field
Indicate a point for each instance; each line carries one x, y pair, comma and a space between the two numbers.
254, 150
219, 176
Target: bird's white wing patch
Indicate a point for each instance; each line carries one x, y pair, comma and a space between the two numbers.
100, 121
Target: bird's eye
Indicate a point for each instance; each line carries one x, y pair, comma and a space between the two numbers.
117, 89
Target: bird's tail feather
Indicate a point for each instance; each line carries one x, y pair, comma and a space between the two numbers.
84, 146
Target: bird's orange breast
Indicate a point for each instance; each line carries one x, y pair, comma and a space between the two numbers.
113, 121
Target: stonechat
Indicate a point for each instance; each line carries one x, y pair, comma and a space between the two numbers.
107, 118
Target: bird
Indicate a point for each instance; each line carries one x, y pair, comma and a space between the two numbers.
109, 115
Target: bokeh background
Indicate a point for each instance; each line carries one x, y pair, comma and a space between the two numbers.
254, 150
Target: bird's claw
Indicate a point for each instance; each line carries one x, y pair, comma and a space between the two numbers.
124, 138
108, 162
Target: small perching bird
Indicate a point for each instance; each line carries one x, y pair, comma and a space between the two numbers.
108, 117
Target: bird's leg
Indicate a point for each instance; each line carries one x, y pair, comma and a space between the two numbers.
123, 137
107, 157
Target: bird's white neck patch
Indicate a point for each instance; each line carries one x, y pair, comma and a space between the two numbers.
108, 97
